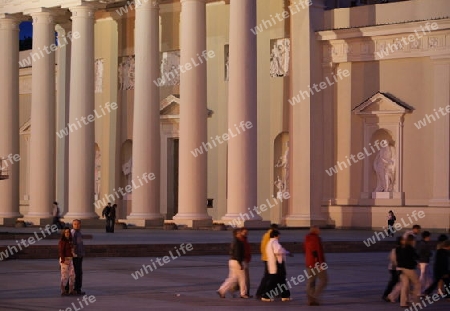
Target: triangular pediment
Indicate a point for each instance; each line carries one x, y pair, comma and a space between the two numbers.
170, 106
25, 129
382, 103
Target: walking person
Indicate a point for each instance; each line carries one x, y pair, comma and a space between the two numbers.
391, 221
441, 269
407, 262
276, 269
265, 239
314, 256
247, 258
395, 274
79, 253
65, 249
424, 251
236, 268
106, 214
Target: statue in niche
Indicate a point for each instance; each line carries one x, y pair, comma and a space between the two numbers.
170, 72
127, 169
281, 186
227, 62
98, 75
279, 58
97, 174
283, 163
125, 72
384, 166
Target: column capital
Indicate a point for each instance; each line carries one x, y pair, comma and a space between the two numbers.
147, 4
83, 11
9, 22
185, 1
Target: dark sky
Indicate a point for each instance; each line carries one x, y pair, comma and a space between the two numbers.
26, 30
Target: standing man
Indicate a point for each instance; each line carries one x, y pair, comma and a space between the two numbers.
265, 239
106, 213
314, 257
78, 254
57, 215
112, 217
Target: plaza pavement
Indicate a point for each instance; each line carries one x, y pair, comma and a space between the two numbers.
357, 280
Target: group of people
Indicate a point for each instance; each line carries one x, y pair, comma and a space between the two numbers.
410, 266
71, 253
273, 283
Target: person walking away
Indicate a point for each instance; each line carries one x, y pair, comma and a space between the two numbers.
65, 248
236, 268
79, 253
314, 256
265, 239
407, 262
424, 251
441, 269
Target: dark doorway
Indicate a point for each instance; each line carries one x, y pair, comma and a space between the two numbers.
172, 177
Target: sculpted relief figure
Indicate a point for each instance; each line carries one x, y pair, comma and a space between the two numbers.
279, 58
127, 169
283, 163
384, 166
98, 165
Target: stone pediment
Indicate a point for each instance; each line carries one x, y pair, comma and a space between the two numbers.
382, 103
170, 107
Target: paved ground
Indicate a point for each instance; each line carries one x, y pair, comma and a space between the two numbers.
155, 236
189, 283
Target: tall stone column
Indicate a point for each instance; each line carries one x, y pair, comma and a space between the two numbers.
193, 116
146, 121
43, 137
441, 151
242, 116
62, 112
82, 138
305, 154
9, 126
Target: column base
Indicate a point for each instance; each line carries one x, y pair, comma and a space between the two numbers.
304, 221
439, 202
193, 220
145, 220
82, 215
9, 221
37, 221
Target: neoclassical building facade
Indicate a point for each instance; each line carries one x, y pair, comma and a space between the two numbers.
241, 112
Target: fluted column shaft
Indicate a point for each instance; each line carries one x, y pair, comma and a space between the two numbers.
43, 137
146, 119
242, 112
82, 139
9, 117
193, 116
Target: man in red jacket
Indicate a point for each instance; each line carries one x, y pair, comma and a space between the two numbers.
315, 266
